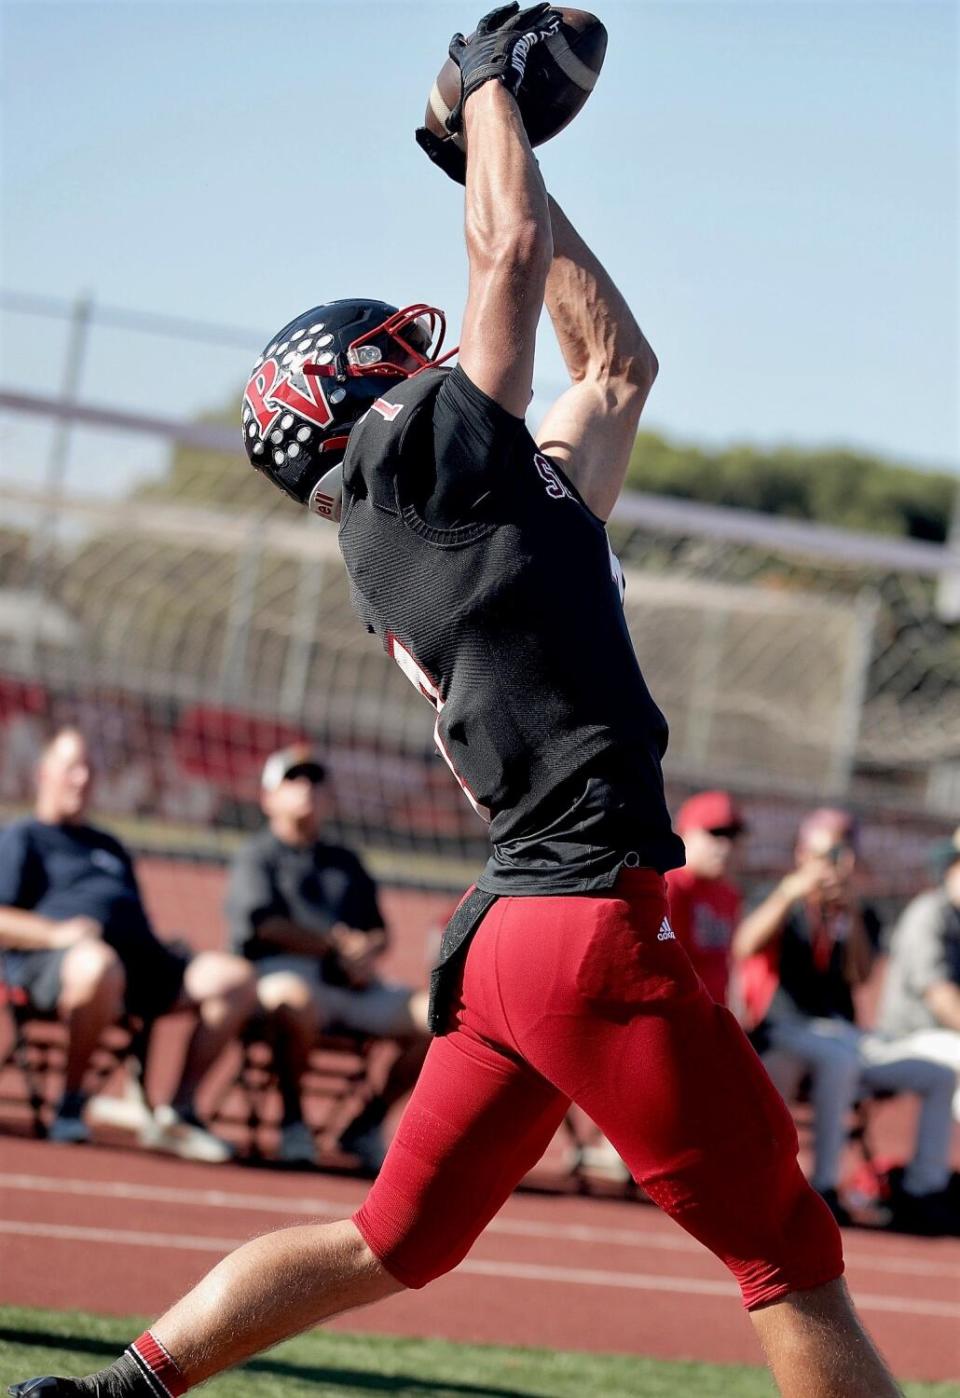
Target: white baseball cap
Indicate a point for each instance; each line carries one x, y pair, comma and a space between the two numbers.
300, 760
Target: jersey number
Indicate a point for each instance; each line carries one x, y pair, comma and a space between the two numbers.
420, 680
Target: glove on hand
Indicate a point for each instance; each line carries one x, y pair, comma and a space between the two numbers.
498, 50
449, 157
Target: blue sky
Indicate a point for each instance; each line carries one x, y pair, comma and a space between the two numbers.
773, 184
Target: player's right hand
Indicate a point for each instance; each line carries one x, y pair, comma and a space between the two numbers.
499, 50
76, 929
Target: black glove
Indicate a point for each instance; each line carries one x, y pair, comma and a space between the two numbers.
445, 153
499, 50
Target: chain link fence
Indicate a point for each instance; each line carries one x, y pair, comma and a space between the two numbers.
155, 591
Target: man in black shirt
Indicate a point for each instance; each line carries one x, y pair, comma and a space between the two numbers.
75, 936
306, 914
479, 557
805, 949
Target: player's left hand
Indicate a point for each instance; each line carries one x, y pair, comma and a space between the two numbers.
450, 158
498, 51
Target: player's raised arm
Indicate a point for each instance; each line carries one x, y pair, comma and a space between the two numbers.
508, 231
591, 428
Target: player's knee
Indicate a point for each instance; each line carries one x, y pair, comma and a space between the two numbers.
796, 1247
286, 994
377, 1279
92, 971
406, 1247
218, 978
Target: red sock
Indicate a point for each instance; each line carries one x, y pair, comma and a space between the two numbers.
157, 1365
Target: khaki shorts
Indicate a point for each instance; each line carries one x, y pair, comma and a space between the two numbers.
381, 1009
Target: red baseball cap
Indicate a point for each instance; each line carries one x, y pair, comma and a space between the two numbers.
710, 810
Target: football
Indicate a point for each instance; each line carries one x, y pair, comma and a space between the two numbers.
561, 73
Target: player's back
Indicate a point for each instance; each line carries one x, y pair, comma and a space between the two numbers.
493, 586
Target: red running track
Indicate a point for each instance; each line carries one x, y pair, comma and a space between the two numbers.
118, 1231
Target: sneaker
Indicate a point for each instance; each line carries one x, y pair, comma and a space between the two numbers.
128, 1112
179, 1131
68, 1129
297, 1146
925, 1215
368, 1145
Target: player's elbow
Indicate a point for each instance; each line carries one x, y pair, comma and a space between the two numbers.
640, 367
625, 371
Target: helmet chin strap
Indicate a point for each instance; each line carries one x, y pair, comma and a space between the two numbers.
326, 497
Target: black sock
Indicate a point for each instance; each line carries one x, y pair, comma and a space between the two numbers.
72, 1104
144, 1370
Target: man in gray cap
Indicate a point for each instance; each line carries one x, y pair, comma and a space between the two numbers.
306, 913
921, 999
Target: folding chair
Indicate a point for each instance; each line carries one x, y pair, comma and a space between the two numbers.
337, 1073
36, 1056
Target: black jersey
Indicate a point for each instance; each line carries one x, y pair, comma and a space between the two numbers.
493, 586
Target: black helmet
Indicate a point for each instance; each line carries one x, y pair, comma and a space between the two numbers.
316, 379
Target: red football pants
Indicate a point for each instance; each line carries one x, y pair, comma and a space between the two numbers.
591, 999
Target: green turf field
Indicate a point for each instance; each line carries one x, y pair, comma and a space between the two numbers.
328, 1365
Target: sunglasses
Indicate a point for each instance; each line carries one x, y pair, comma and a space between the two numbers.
725, 832
314, 774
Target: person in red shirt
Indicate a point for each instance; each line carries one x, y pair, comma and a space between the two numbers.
705, 906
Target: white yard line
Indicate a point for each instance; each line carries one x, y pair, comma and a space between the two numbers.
519, 1271
320, 1208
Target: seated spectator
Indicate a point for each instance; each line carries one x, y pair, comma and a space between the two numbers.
704, 904
805, 947
306, 914
921, 999
75, 936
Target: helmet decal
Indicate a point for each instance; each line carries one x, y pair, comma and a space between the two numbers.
268, 396
316, 379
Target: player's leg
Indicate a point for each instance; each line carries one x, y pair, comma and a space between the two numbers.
288, 1000
477, 1120
891, 1068
384, 1010
221, 989
940, 1046
90, 1000
84, 984
673, 1083
817, 1348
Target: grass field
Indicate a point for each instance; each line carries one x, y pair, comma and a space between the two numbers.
329, 1365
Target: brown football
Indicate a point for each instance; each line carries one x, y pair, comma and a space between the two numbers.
561, 73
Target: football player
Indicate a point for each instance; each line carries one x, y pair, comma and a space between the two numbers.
479, 557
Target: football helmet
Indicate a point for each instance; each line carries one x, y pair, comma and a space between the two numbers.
316, 379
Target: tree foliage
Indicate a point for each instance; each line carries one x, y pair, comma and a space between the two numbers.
851, 490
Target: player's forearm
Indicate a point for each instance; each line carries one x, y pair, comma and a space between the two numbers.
289, 936
25, 931
859, 952
765, 923
507, 217
597, 332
